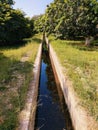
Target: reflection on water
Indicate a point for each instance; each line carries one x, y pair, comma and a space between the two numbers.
52, 114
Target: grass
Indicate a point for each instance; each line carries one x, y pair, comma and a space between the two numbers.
81, 66
16, 65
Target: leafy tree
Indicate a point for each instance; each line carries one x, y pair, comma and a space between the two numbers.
87, 19
10, 2
50, 18
14, 26
31, 24
83, 19
72, 18
5, 11
39, 23
17, 27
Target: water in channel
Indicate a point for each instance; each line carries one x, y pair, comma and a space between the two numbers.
52, 113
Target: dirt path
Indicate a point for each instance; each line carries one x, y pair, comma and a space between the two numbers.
10, 95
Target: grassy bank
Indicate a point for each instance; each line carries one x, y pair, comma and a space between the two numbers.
16, 64
81, 66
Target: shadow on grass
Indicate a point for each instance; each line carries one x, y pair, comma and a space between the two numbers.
77, 43
38, 40
12, 45
81, 46
19, 44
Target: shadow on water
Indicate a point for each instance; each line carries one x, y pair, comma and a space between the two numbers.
52, 113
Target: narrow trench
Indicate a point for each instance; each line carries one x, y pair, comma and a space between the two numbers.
52, 112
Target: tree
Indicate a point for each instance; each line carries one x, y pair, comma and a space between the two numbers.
39, 23
17, 27
72, 18
50, 18
14, 26
88, 19
9, 2
5, 11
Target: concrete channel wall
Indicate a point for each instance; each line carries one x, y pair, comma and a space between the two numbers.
78, 116
27, 116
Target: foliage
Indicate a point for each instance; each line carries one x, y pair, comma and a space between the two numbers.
10, 2
69, 19
13, 24
39, 23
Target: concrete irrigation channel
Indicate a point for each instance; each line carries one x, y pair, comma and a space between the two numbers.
29, 118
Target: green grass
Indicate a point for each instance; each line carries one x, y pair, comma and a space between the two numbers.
16, 65
81, 66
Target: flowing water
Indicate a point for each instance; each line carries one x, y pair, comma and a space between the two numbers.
52, 112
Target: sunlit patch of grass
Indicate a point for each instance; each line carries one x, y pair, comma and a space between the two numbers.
16, 65
81, 65
9, 56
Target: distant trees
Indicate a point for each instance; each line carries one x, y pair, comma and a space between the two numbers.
14, 26
69, 19
39, 21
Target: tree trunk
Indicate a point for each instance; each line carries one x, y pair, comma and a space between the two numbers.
88, 41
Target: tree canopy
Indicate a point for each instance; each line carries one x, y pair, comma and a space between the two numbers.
14, 26
69, 19
66, 19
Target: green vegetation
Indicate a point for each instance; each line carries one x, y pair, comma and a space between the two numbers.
65, 19
16, 65
81, 66
70, 19
14, 26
